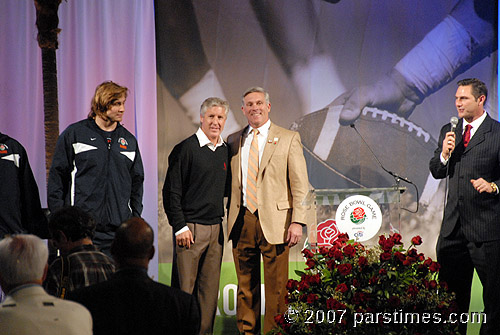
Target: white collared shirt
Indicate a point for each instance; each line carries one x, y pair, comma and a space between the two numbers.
475, 125
204, 140
245, 151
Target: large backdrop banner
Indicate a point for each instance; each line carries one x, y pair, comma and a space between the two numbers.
393, 62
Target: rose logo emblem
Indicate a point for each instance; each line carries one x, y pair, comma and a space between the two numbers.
327, 233
358, 215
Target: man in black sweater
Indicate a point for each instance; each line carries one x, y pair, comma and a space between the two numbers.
193, 196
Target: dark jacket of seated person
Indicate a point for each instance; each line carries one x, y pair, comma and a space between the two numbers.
131, 302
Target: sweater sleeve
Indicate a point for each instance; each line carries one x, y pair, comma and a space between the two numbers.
175, 180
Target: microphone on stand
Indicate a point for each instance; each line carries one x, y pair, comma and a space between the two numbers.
375, 156
395, 175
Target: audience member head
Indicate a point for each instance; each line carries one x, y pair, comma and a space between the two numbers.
71, 226
133, 243
105, 95
23, 260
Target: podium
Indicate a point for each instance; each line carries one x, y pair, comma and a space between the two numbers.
327, 201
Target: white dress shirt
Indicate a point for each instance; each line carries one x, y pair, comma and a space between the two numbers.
245, 152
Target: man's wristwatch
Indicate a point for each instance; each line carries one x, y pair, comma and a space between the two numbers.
494, 187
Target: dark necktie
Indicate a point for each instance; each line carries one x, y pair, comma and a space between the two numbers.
467, 135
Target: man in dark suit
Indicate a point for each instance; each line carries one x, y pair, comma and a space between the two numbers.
470, 232
266, 213
132, 303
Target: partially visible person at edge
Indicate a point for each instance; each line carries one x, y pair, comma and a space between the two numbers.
266, 210
97, 166
80, 263
20, 208
469, 239
193, 199
28, 309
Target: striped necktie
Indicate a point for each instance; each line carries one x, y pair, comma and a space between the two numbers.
253, 171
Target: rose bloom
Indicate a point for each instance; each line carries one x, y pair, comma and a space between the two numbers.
387, 245
360, 297
385, 256
412, 290
355, 282
323, 251
417, 240
311, 298
394, 301
303, 285
343, 237
349, 250
331, 264
397, 238
400, 256
345, 269
342, 288
310, 263
332, 303
307, 253
434, 267
291, 284
362, 261
444, 285
413, 252
313, 279
381, 240
337, 254
382, 272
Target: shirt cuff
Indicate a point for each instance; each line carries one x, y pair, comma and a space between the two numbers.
444, 161
180, 231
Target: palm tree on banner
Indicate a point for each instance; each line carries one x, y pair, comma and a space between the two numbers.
47, 23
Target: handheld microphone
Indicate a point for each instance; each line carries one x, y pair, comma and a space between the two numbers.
454, 122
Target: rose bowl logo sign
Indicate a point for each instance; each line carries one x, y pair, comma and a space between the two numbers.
327, 233
359, 216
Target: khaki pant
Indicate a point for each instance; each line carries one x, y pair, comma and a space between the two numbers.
197, 270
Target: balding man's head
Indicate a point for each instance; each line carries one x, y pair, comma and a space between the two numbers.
133, 243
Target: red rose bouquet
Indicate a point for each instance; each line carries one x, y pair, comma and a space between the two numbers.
351, 289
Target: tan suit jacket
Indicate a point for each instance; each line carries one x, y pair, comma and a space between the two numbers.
282, 183
30, 310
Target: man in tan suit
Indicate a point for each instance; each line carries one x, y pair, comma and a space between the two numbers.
266, 214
